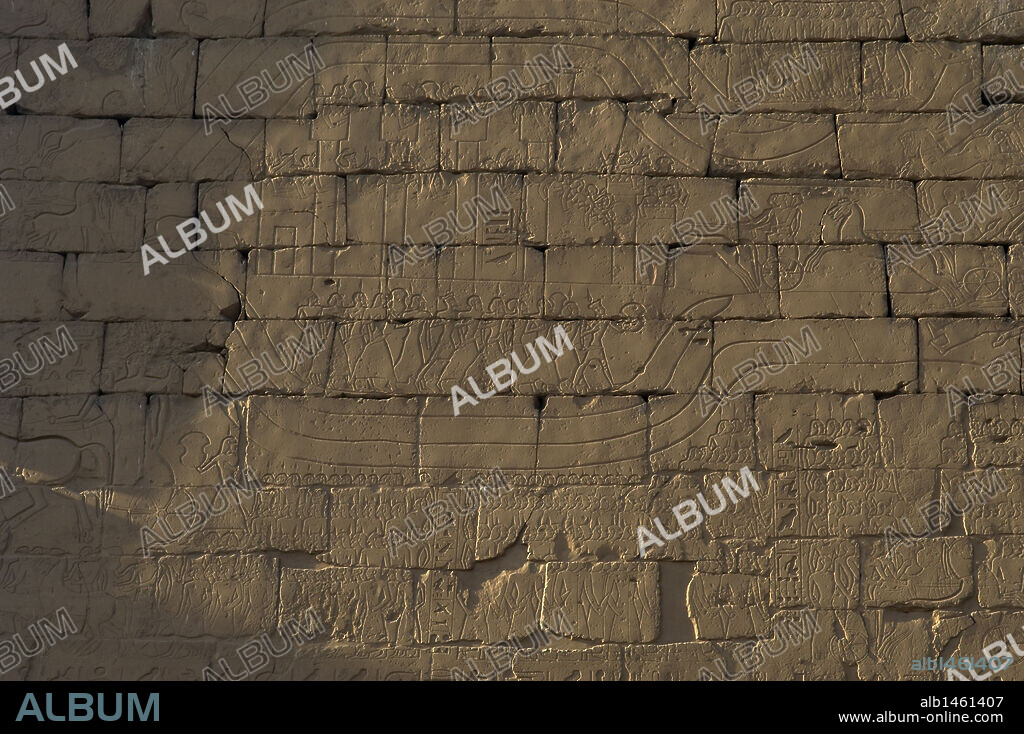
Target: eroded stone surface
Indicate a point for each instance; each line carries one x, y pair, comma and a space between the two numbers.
769, 244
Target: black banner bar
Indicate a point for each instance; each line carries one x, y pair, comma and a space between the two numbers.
777, 705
